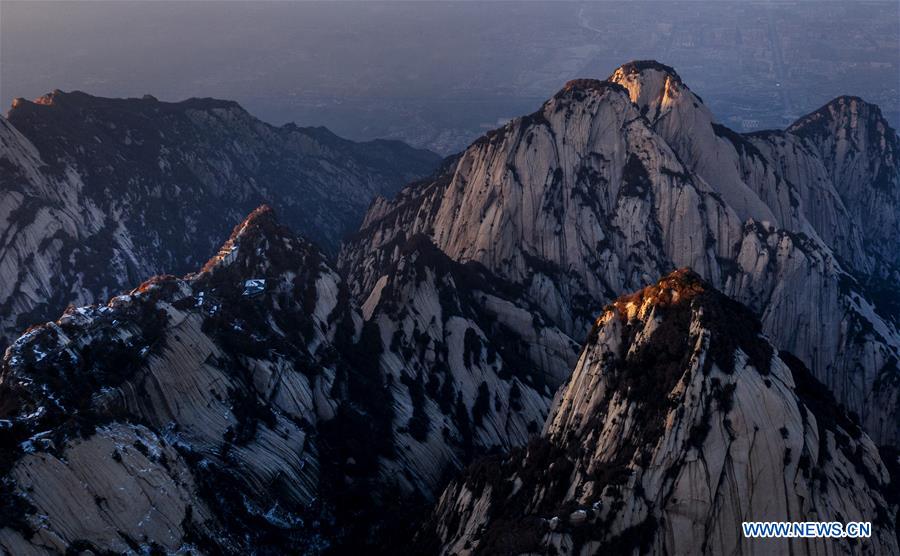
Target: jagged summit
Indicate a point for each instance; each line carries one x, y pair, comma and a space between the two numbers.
184, 411
664, 440
585, 200
631, 77
262, 216
837, 111
680, 286
43, 100
260, 247
259, 224
657, 89
730, 325
861, 154
639, 66
851, 118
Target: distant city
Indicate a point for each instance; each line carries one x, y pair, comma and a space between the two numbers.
438, 75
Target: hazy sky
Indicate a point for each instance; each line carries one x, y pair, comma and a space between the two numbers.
436, 73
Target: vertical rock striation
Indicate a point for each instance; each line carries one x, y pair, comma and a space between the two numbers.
679, 422
612, 184
96, 194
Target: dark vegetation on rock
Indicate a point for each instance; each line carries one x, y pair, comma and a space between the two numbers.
394, 381
168, 180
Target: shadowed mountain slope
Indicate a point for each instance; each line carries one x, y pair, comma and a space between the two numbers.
96, 194
612, 184
679, 423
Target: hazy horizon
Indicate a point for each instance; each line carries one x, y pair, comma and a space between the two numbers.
438, 74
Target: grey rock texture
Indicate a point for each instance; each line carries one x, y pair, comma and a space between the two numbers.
272, 402
679, 422
253, 406
182, 414
97, 194
471, 367
612, 184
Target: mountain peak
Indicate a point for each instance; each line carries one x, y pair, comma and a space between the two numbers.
258, 244
844, 111
655, 88
262, 216
647, 431
262, 221
637, 67
47, 99
862, 152
677, 287
683, 297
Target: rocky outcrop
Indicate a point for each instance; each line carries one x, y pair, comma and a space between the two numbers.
183, 413
860, 153
252, 406
470, 367
268, 403
679, 422
612, 184
43, 222
96, 194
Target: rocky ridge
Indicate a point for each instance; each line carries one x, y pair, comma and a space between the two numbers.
96, 194
679, 422
269, 403
252, 406
612, 184
167, 417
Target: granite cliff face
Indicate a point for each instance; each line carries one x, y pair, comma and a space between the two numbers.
97, 194
252, 406
182, 413
472, 368
860, 154
273, 402
612, 184
679, 422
